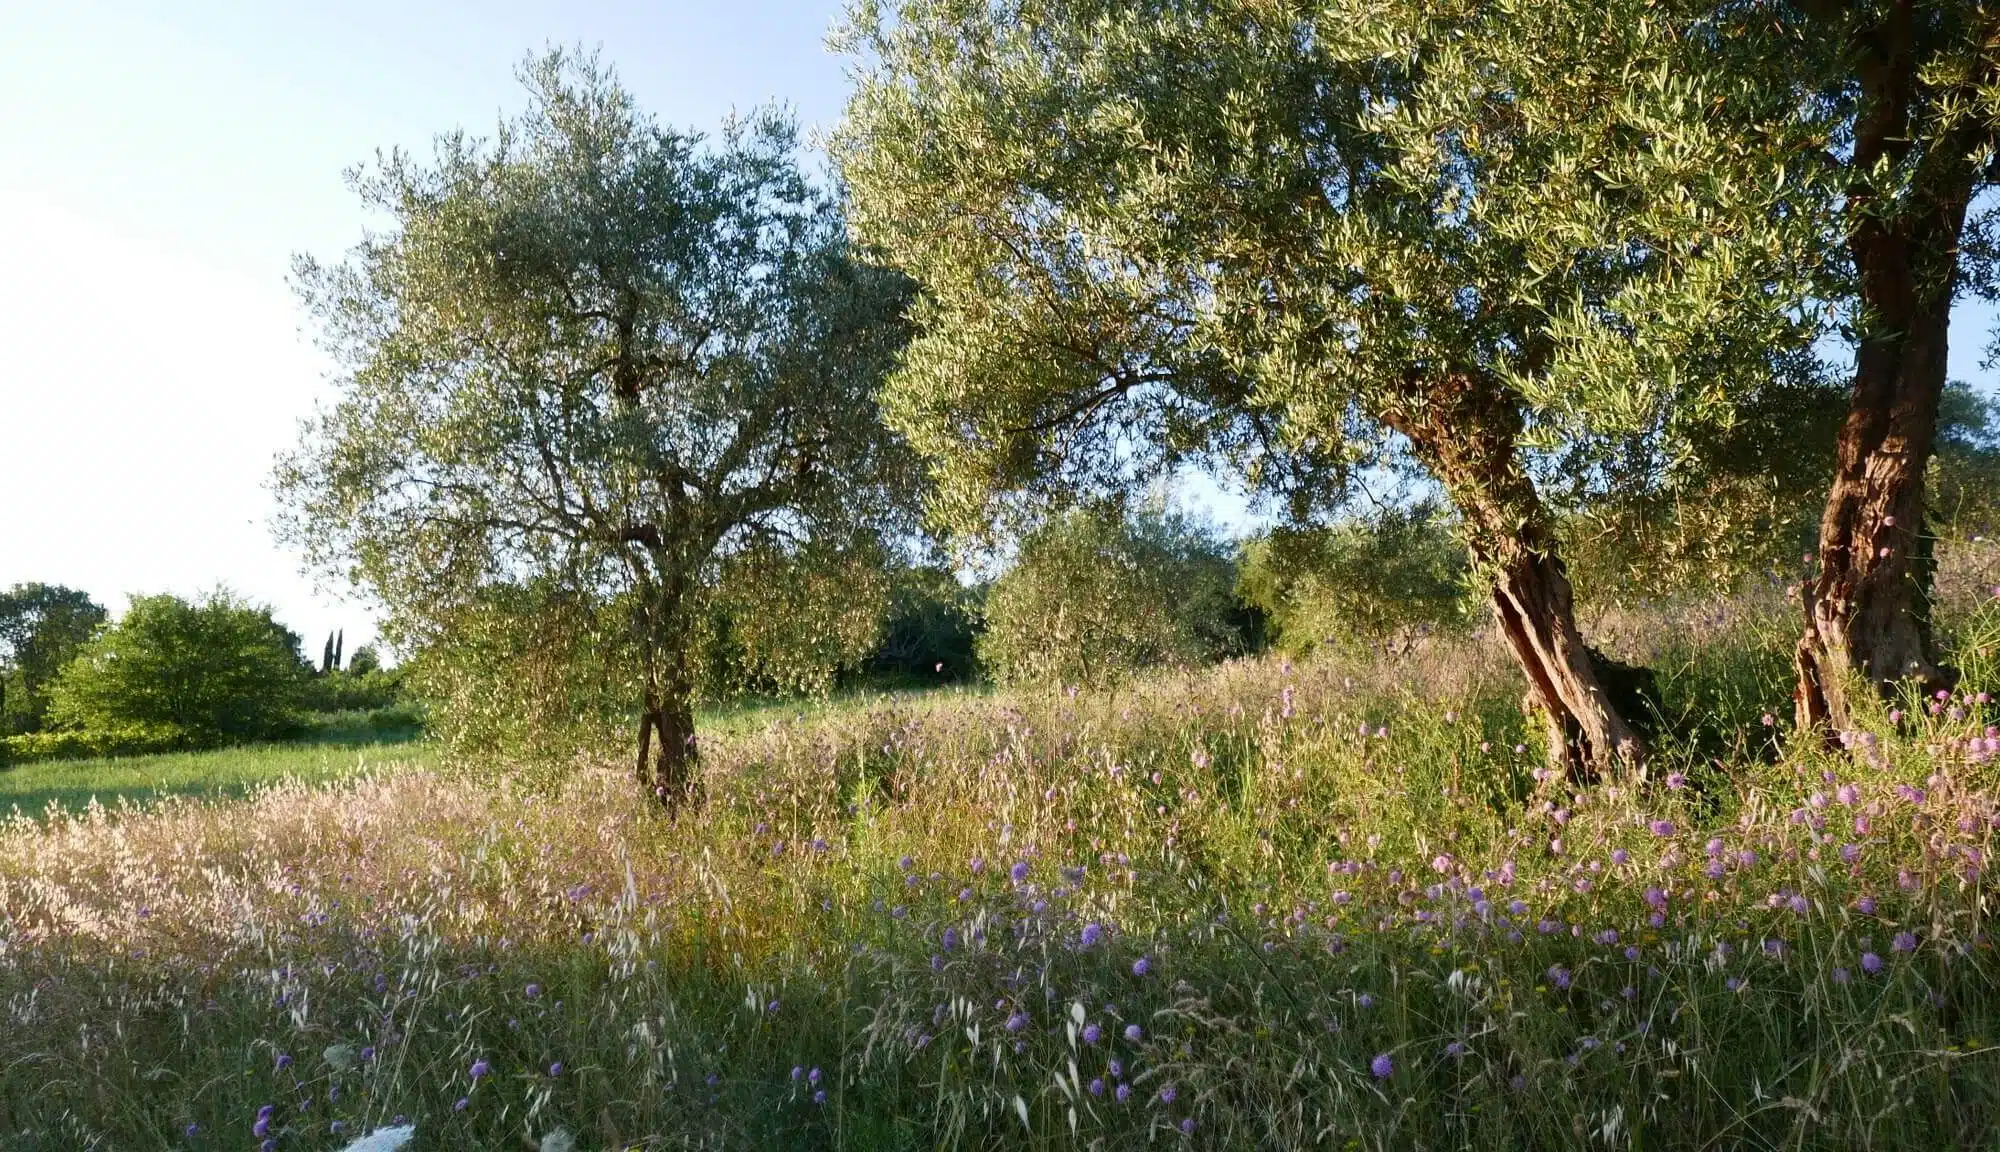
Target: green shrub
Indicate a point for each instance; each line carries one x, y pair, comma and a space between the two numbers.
73, 744
1095, 595
214, 672
932, 630
350, 691
1381, 579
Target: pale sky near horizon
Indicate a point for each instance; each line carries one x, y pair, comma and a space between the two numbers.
160, 164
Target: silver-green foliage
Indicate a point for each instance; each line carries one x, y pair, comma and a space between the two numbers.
1381, 579
1265, 230
597, 363
1095, 595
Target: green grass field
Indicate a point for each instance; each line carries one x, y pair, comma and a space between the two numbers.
234, 772
221, 773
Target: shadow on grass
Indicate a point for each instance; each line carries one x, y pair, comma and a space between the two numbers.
221, 773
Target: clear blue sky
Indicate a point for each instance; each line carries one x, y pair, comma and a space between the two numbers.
160, 162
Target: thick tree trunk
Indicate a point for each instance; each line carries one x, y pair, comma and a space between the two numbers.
668, 748
1866, 611
1867, 623
643, 772
1583, 696
673, 769
1465, 429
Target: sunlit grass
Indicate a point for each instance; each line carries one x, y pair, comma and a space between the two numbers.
218, 774
1268, 906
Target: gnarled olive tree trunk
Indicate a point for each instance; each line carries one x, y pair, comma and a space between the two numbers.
668, 748
1867, 611
1465, 431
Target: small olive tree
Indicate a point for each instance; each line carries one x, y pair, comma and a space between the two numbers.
1094, 595
597, 363
1381, 579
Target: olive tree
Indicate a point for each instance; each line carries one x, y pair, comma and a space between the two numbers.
614, 365
1282, 237
1096, 594
1908, 98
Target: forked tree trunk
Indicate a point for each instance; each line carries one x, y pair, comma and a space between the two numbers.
1465, 429
1583, 696
1867, 619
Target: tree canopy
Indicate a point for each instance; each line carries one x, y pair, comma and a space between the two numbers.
597, 361
41, 628
1287, 238
193, 673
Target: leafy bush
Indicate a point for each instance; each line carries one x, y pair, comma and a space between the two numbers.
75, 744
400, 719
1093, 596
1376, 580
214, 672
349, 691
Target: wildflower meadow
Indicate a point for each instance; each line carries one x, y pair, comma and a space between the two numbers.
1335, 904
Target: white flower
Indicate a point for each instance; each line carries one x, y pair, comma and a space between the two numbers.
559, 1141
384, 1140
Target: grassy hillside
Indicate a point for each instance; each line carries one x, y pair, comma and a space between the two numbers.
1326, 905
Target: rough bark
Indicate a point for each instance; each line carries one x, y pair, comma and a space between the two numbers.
668, 748
643, 771
1465, 429
1867, 624
1866, 613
